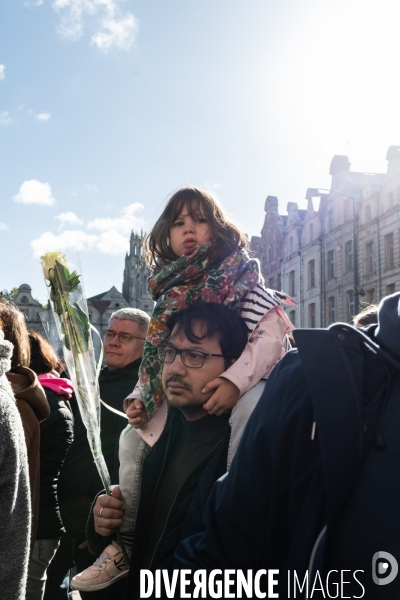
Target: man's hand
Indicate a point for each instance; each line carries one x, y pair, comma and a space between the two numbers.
111, 509
223, 399
137, 414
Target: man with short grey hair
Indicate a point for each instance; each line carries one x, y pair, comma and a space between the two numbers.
132, 314
79, 481
124, 339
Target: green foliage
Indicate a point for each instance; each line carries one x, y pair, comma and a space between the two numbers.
9, 295
71, 279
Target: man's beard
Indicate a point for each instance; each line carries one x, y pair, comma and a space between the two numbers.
179, 380
191, 404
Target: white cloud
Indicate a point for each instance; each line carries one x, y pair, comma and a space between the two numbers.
68, 217
92, 187
109, 242
112, 242
123, 224
111, 27
35, 192
5, 118
120, 34
214, 187
43, 116
3, 227
112, 237
2, 74
76, 239
33, 3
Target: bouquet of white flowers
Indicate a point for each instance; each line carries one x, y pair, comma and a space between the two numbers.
68, 303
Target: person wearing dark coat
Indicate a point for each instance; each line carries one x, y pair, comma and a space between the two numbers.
56, 435
315, 486
79, 479
176, 475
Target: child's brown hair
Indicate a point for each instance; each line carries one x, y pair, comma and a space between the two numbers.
225, 235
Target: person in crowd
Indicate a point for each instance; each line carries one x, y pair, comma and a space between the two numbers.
15, 502
56, 435
79, 480
315, 487
368, 316
31, 399
198, 254
170, 485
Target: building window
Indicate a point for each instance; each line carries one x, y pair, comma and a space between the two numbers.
348, 250
390, 200
24, 300
290, 245
346, 210
311, 274
389, 251
278, 282
370, 296
310, 233
390, 289
369, 257
330, 220
331, 264
292, 283
311, 315
350, 305
367, 213
38, 317
269, 255
331, 310
271, 283
292, 317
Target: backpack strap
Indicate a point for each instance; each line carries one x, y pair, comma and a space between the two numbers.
336, 395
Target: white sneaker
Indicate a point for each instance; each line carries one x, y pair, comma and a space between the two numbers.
108, 568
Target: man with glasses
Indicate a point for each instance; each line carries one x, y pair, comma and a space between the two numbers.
173, 481
79, 480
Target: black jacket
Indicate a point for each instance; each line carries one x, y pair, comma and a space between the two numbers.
56, 435
185, 515
79, 479
326, 497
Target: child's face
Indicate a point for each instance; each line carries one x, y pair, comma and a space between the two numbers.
186, 233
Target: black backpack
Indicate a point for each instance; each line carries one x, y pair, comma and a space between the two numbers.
354, 387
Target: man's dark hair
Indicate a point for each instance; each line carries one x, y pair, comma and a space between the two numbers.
215, 320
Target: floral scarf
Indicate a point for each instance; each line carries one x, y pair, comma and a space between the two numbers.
174, 286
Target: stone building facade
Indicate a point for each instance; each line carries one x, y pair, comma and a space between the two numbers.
30, 307
134, 289
136, 274
343, 256
102, 306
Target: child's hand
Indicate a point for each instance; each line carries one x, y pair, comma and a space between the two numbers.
224, 398
137, 414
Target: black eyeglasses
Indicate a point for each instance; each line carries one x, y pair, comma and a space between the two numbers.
193, 359
124, 338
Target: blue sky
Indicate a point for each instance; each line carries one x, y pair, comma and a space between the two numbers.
107, 106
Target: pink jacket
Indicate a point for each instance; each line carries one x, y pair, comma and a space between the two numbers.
263, 351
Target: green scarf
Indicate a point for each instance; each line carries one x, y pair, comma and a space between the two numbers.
174, 286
